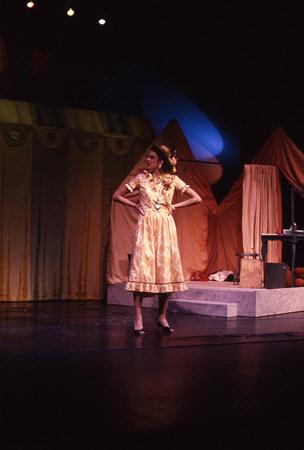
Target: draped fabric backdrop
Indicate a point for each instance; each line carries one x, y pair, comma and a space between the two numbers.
229, 227
15, 218
278, 151
58, 170
48, 211
210, 235
55, 193
262, 209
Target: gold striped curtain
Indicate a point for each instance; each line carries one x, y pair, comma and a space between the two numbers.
48, 211
15, 200
55, 197
83, 218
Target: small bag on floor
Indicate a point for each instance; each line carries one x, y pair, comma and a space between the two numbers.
251, 273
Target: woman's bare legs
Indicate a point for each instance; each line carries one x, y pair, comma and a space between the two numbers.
162, 313
138, 321
163, 309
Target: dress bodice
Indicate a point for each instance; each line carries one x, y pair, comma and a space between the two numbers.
156, 194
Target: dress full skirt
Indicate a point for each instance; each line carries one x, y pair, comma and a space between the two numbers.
155, 264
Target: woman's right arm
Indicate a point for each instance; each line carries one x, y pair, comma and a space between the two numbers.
120, 196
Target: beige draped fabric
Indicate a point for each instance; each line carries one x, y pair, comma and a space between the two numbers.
195, 230
229, 228
280, 151
262, 210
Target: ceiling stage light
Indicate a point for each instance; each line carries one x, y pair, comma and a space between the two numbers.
70, 12
102, 21
30, 4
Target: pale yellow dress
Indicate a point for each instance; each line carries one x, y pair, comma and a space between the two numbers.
155, 264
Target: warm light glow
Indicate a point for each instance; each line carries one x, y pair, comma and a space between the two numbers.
102, 21
30, 4
70, 12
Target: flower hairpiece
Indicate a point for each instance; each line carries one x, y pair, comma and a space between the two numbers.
170, 155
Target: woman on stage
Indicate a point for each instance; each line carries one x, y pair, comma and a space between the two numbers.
155, 265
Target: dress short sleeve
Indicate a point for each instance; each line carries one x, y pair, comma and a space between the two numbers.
180, 185
133, 183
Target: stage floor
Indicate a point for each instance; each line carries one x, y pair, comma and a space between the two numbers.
74, 377
223, 299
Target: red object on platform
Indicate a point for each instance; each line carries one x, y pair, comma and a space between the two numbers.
199, 276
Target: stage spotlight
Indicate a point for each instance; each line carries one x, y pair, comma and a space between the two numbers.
102, 21
30, 4
70, 12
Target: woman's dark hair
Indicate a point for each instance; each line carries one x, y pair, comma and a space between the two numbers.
166, 167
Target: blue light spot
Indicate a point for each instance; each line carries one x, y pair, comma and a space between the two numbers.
162, 103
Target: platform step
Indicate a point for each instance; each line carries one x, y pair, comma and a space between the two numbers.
220, 299
204, 308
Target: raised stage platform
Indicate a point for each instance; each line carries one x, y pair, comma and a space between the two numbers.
223, 299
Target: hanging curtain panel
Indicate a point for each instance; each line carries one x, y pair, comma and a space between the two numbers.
58, 170
229, 228
262, 211
82, 269
48, 212
15, 202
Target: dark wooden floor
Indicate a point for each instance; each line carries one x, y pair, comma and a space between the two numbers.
73, 376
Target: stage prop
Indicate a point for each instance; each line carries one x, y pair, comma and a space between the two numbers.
251, 271
291, 237
275, 275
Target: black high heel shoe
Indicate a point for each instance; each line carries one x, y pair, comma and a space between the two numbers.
140, 332
164, 328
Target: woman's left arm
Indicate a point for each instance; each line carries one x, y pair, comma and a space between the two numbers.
193, 199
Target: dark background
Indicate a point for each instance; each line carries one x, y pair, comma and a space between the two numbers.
241, 63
